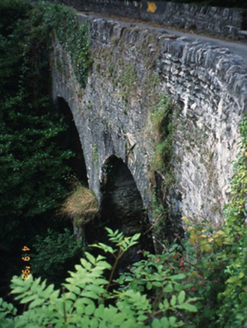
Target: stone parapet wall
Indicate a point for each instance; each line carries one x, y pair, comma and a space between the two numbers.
132, 69
227, 22
222, 21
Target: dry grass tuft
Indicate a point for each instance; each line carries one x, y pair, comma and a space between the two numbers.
81, 205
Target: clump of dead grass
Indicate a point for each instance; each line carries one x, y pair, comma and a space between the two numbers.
81, 205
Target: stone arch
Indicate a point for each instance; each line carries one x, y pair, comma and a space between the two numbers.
72, 140
118, 188
121, 204
121, 207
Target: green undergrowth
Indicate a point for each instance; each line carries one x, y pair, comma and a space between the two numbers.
215, 261
56, 250
34, 155
150, 295
198, 281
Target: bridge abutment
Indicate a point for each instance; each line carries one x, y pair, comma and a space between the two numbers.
133, 69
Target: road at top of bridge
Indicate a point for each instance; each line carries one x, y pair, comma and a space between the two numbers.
236, 47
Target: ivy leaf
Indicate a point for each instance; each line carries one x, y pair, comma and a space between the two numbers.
181, 297
99, 312
173, 300
172, 321
28, 298
178, 276
164, 322
90, 258
187, 307
36, 303
90, 309
156, 323
80, 306
104, 247
93, 323
168, 288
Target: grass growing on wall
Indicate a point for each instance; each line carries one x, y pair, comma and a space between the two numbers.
163, 124
162, 129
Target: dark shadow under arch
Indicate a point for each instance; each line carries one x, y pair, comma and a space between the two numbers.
72, 140
121, 208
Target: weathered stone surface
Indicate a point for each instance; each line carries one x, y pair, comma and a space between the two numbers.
216, 20
132, 69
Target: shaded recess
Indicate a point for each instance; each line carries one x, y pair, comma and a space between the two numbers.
122, 208
72, 140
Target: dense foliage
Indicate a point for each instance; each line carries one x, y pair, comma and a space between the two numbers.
213, 260
216, 261
33, 160
87, 299
55, 254
199, 282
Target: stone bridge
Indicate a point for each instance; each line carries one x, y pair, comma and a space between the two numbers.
133, 70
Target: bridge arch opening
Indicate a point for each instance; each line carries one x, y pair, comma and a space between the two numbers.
72, 140
121, 204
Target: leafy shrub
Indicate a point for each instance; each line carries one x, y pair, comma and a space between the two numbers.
232, 312
31, 158
84, 300
34, 161
55, 255
219, 257
214, 262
